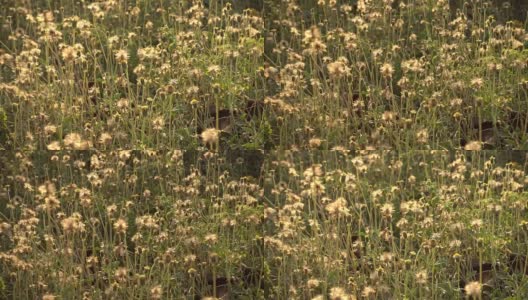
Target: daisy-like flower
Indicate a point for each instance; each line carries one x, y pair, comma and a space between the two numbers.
158, 123
156, 292
338, 68
120, 226
386, 210
121, 274
105, 138
386, 70
421, 277
121, 56
69, 54
210, 136
477, 82
473, 146
54, 146
338, 207
473, 289
338, 293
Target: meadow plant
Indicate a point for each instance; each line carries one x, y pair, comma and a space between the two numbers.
267, 149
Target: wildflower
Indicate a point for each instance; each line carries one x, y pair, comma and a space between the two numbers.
135, 11
456, 102
338, 293
124, 154
338, 207
112, 41
83, 25
210, 136
338, 68
73, 224
386, 257
92, 261
75, 141
105, 138
313, 283
51, 203
315, 143
156, 292
111, 210
473, 146
386, 70
120, 226
69, 54
421, 277
149, 25
122, 103
214, 69
192, 271
54, 146
148, 53
368, 292
146, 221
158, 123
473, 289
312, 37
312, 34
516, 44
121, 274
50, 129
211, 238
376, 195
422, 136
477, 223
121, 56
388, 116
4, 227
477, 82
386, 210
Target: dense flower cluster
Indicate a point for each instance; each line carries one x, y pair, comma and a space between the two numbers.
263, 149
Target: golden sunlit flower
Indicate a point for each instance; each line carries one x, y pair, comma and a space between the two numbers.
421, 277
338, 207
473, 146
105, 138
121, 56
338, 69
69, 54
473, 289
386, 70
156, 292
121, 274
210, 136
422, 136
338, 293
386, 210
158, 123
54, 146
120, 226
